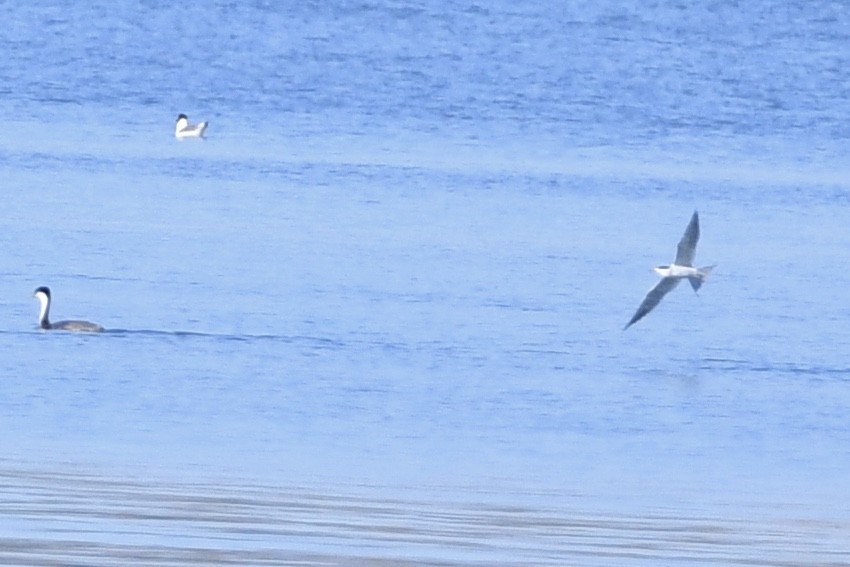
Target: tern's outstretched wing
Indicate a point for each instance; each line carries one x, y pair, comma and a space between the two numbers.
653, 298
688, 245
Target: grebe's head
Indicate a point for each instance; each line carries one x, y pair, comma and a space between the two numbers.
42, 293
182, 121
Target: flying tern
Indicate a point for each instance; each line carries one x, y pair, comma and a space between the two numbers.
682, 267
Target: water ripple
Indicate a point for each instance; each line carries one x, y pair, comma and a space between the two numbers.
82, 517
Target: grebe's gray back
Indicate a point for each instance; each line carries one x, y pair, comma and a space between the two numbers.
43, 295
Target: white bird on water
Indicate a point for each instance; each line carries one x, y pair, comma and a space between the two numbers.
682, 267
183, 129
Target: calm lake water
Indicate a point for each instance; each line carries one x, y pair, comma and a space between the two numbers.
375, 318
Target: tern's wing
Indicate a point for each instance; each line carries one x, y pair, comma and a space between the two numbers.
688, 245
653, 298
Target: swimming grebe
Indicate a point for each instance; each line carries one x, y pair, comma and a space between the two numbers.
43, 295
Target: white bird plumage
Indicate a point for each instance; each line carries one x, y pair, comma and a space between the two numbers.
682, 267
182, 129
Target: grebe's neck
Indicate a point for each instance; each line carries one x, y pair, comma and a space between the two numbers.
44, 310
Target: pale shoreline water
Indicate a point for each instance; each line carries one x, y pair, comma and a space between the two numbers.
76, 516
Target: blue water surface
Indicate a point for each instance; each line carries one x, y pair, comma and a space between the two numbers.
377, 314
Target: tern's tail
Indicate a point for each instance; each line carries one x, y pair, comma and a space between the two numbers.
702, 273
